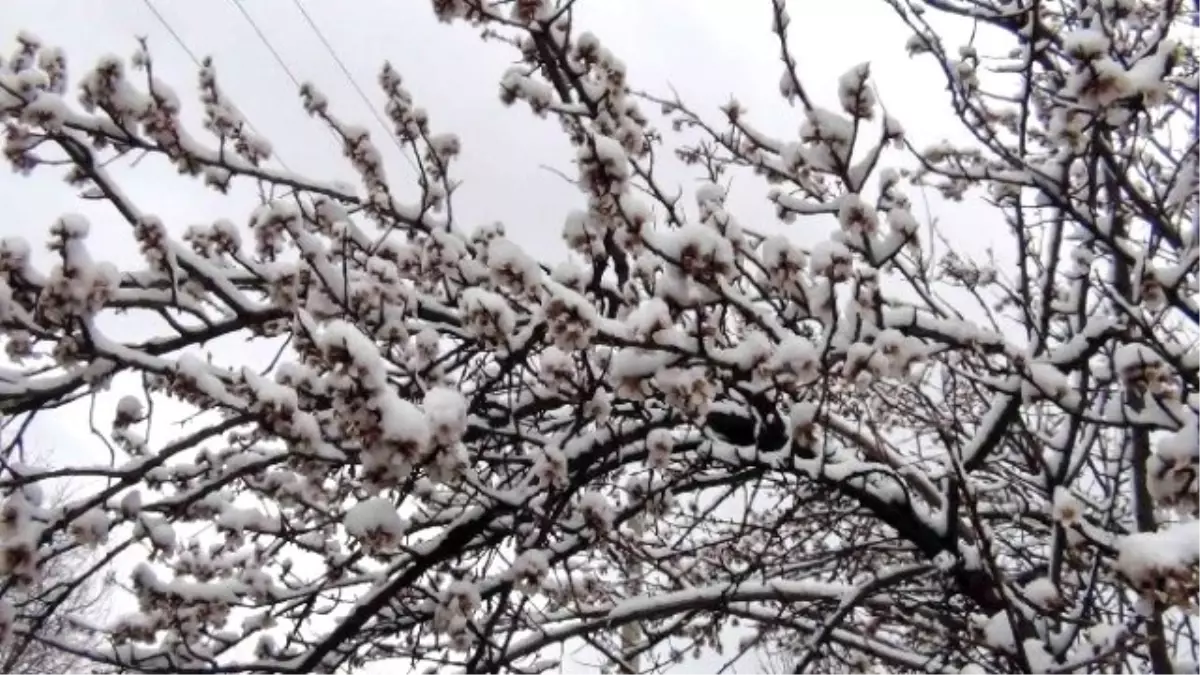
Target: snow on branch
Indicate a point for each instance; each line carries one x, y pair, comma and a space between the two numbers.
875, 451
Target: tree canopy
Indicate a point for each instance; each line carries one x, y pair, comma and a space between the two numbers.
877, 453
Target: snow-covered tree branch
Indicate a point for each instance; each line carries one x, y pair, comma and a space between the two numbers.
875, 453
66, 595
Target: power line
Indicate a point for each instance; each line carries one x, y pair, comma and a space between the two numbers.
267, 43
278, 59
353, 82
162, 20
329, 48
192, 55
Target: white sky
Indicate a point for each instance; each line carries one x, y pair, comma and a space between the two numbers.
708, 50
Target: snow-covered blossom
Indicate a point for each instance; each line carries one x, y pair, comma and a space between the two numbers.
689, 390
455, 612
856, 96
597, 512
550, 467
488, 315
375, 522
446, 413
528, 570
795, 359
659, 444
91, 528
346, 403
1042, 593
1067, 509
571, 318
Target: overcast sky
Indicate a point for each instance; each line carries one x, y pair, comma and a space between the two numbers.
707, 50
